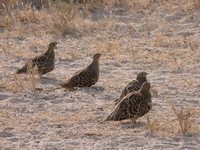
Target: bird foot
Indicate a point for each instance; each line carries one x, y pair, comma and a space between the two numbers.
133, 121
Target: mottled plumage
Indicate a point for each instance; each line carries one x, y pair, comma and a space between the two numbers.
86, 77
134, 85
44, 62
133, 105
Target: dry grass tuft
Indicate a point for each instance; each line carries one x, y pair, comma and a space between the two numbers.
91, 5
184, 118
64, 16
18, 83
183, 123
24, 15
14, 85
67, 19
7, 5
33, 73
129, 3
6, 20
27, 15
153, 125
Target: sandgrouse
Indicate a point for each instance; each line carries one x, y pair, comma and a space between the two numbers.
133, 105
44, 62
134, 85
86, 77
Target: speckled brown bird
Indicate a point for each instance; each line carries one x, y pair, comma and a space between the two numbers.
133, 105
86, 77
44, 63
134, 85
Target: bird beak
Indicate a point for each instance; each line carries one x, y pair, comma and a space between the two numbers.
56, 45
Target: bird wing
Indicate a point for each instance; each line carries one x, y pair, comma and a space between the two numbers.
133, 86
133, 105
129, 88
121, 110
76, 79
85, 77
77, 75
39, 60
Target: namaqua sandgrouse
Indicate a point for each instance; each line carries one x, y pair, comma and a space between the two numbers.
44, 63
133, 105
134, 85
86, 77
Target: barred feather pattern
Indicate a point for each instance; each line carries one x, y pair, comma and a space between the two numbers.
135, 85
132, 106
45, 63
85, 78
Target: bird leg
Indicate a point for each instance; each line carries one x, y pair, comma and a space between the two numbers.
39, 75
133, 121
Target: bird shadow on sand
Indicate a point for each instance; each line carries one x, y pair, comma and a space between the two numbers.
50, 81
6, 133
128, 125
2, 88
93, 89
3, 97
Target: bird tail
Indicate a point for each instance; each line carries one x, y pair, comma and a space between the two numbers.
114, 116
63, 85
60, 87
117, 101
67, 86
57, 88
111, 117
22, 70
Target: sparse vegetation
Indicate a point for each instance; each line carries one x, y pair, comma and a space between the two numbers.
183, 123
65, 16
184, 118
33, 73
160, 37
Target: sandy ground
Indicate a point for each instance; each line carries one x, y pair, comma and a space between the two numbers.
162, 40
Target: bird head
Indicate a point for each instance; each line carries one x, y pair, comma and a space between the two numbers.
52, 45
142, 76
96, 56
145, 88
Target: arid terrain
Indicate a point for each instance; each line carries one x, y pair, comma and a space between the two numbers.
161, 37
